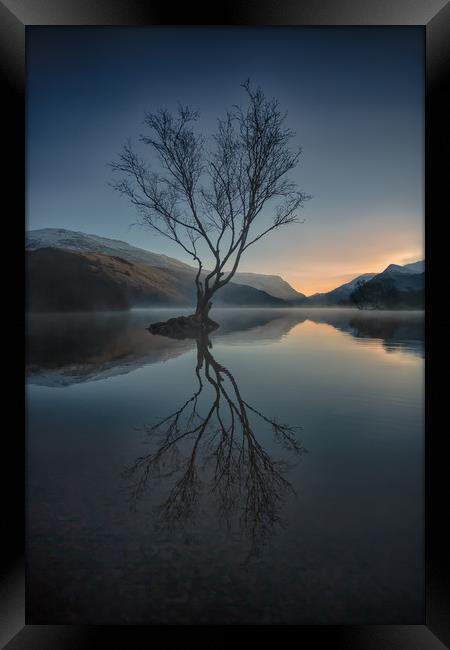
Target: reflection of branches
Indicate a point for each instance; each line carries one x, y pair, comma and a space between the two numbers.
245, 479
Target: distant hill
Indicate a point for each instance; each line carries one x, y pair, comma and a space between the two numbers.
111, 274
82, 242
394, 278
338, 296
67, 280
416, 267
273, 284
58, 280
395, 288
86, 243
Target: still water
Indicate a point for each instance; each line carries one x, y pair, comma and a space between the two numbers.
274, 475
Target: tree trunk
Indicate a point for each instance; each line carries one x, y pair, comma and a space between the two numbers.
204, 305
194, 326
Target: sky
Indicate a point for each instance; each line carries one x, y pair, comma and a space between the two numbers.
354, 97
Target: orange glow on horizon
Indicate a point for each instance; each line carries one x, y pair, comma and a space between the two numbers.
320, 286
310, 282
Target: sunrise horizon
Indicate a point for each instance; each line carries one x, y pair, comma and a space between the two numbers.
361, 138
306, 281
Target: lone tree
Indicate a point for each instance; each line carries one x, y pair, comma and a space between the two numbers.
208, 199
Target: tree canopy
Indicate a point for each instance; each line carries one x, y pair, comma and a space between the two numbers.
207, 195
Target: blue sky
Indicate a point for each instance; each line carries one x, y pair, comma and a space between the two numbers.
354, 96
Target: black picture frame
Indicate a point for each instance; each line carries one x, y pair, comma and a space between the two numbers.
434, 16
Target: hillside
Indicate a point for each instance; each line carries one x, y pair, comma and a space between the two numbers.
61, 238
66, 280
273, 284
416, 267
85, 243
58, 280
391, 289
112, 274
395, 278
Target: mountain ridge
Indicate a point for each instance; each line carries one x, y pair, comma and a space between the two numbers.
179, 275
64, 280
402, 276
274, 285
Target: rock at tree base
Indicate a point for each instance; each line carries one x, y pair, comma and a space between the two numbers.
183, 327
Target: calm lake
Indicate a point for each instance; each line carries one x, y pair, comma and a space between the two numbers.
275, 476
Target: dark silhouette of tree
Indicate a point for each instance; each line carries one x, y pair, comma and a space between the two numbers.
221, 442
209, 199
360, 297
382, 293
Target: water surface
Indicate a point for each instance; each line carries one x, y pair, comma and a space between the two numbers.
275, 476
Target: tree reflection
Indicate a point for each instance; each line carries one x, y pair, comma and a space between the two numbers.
213, 436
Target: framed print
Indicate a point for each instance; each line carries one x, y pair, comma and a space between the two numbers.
231, 338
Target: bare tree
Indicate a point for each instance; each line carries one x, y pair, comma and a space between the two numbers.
208, 199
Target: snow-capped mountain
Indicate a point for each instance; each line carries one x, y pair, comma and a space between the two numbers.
403, 276
82, 242
272, 284
397, 287
416, 267
86, 243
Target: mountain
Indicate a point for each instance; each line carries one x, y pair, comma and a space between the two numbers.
111, 274
403, 278
340, 295
416, 267
394, 269
86, 243
272, 284
82, 242
394, 288
59, 280
68, 280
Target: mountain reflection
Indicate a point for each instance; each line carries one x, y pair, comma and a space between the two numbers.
63, 349
396, 334
211, 445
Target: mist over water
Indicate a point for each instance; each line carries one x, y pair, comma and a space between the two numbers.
273, 476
